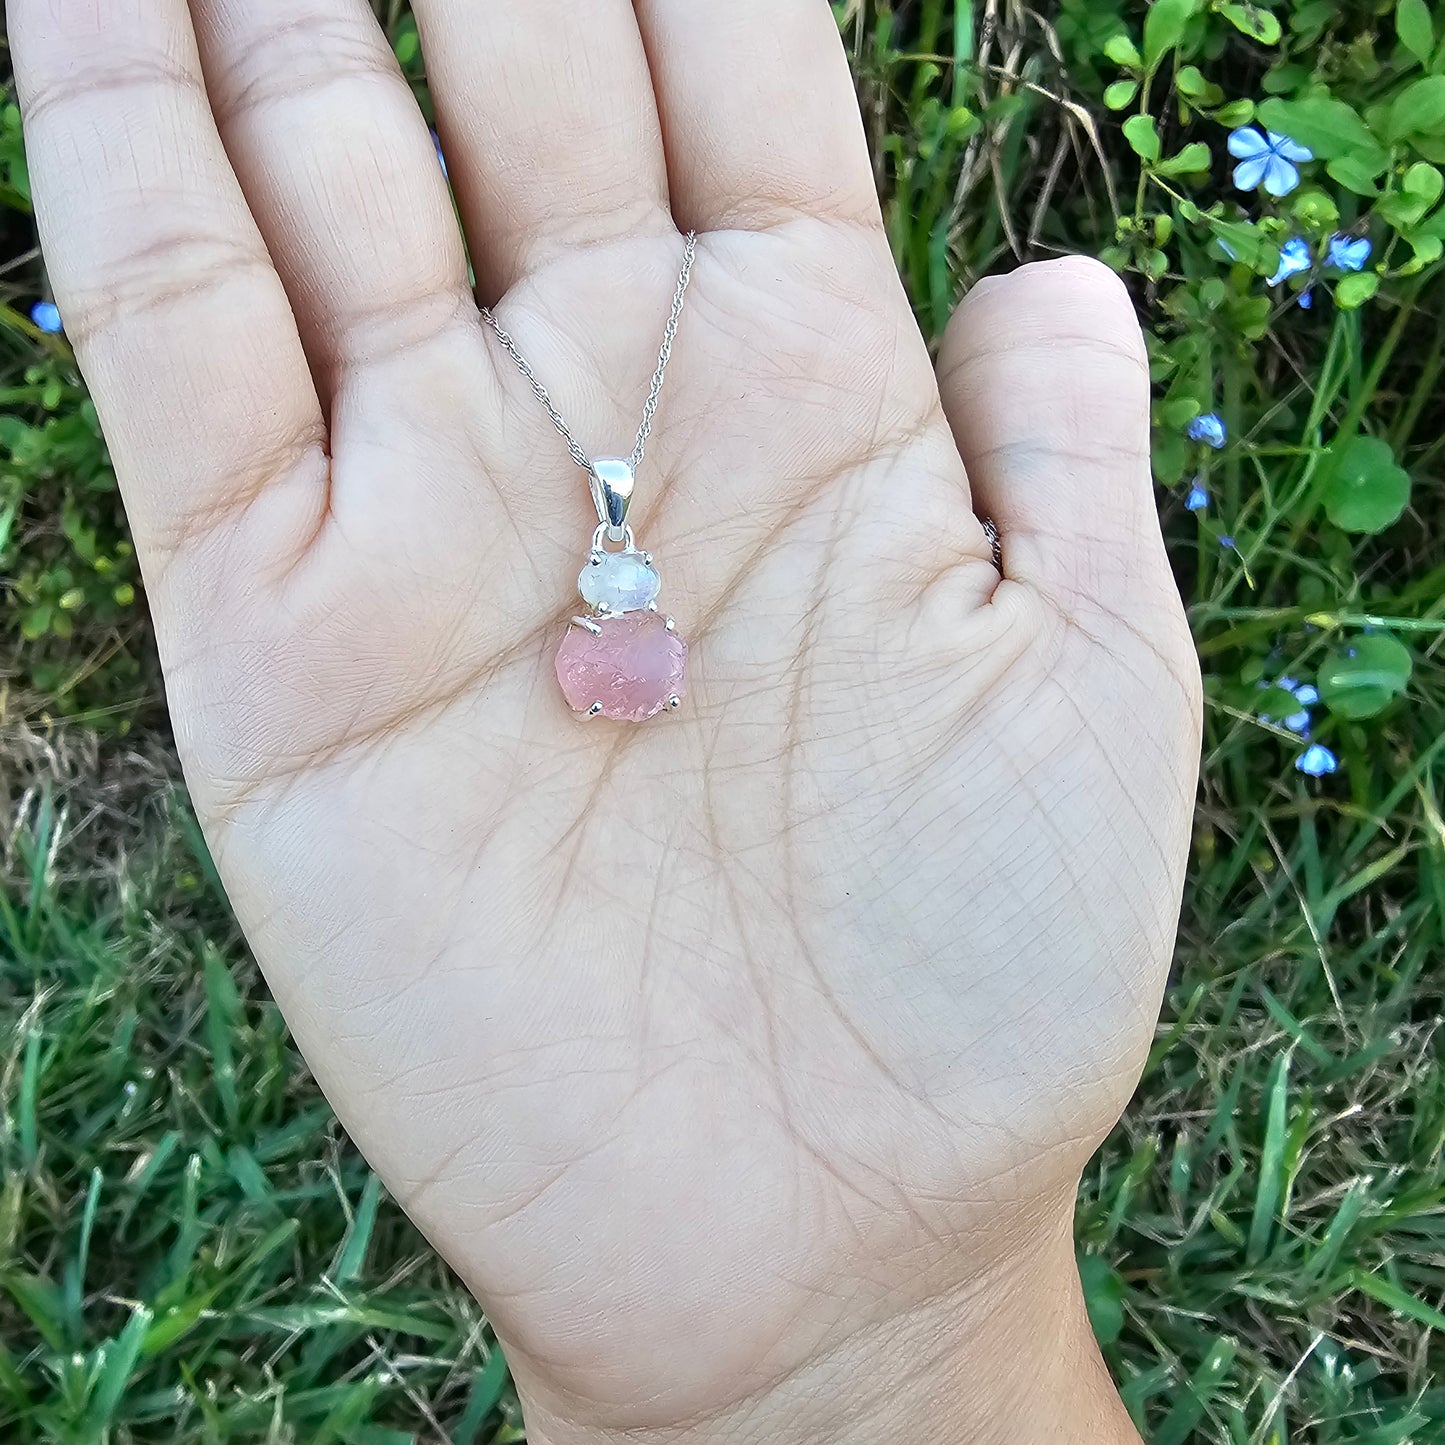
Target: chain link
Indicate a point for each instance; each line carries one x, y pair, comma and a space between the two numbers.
649, 409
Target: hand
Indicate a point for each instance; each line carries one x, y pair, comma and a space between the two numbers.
745, 1062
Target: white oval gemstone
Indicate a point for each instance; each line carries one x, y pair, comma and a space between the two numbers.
619, 581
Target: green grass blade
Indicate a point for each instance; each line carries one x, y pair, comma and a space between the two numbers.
1272, 1167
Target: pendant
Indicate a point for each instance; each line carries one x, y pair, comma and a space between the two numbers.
624, 660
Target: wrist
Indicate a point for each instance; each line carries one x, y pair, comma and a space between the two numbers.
1011, 1358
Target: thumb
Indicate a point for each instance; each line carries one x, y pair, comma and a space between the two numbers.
1045, 383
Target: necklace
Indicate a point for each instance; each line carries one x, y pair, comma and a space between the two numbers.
623, 659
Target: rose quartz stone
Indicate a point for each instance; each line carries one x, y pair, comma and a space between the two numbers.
633, 667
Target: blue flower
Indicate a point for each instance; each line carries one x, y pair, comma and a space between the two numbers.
1316, 761
1294, 257
1208, 429
1307, 298
1348, 253
1266, 158
1227, 543
1299, 722
46, 315
1198, 498
1306, 694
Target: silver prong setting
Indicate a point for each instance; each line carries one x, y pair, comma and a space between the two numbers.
670, 625
595, 710
673, 703
587, 625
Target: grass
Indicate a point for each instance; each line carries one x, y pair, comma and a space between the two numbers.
190, 1251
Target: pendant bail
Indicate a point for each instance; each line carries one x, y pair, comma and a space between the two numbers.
612, 480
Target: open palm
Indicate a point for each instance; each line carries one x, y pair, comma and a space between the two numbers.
710, 1050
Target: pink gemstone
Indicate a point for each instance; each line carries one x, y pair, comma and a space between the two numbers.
634, 666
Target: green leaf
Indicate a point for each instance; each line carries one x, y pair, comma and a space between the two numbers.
1194, 158
1143, 136
1271, 1172
42, 1302
1419, 109
407, 45
1403, 212
1362, 680
1164, 29
1365, 489
1351, 292
1401, 1301
1236, 113
1328, 127
1122, 51
358, 1237
1424, 182
1274, 702
1355, 175
1415, 29
117, 1360
1197, 1397
1103, 1297
1248, 246
1118, 95
1315, 209
224, 1019
487, 1386
1427, 251
1170, 456
1256, 23
1190, 82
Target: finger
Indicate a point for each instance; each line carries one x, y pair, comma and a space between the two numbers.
1046, 384
179, 320
341, 174
549, 125
759, 115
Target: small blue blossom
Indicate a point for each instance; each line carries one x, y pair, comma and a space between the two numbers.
1227, 543
1348, 253
1307, 298
1198, 498
1287, 683
1266, 158
1294, 257
46, 315
1299, 722
1316, 761
1306, 694
1208, 429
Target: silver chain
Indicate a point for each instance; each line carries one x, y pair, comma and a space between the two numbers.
649, 409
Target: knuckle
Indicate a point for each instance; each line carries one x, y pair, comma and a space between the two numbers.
170, 269
114, 77
273, 453
294, 60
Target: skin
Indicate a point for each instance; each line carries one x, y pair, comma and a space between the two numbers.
743, 1063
